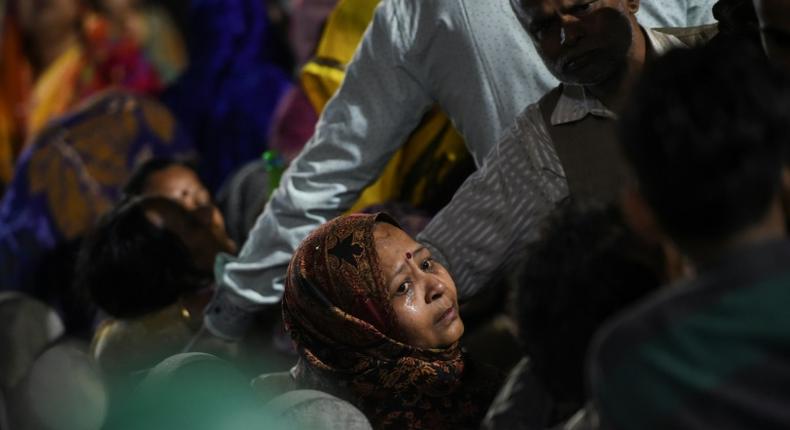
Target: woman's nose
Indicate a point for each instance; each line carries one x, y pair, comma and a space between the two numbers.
434, 288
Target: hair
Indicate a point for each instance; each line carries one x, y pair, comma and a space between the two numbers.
706, 132
737, 18
130, 267
138, 181
586, 267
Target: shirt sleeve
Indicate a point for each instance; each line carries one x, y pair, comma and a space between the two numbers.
380, 102
700, 12
484, 230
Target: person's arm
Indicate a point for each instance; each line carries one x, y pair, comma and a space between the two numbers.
378, 105
483, 232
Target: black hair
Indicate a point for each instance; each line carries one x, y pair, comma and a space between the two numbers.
706, 132
737, 18
586, 267
131, 267
138, 180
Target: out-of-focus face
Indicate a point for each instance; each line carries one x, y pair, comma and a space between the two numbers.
422, 293
119, 8
203, 242
583, 42
39, 15
774, 16
181, 184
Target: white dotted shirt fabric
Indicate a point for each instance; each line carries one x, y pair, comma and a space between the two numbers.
472, 57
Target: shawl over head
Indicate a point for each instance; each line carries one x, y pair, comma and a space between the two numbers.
337, 309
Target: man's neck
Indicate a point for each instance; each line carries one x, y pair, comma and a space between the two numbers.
771, 228
614, 92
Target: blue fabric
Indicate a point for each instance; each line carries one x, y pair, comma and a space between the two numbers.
73, 173
226, 98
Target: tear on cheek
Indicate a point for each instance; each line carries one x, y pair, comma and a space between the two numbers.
410, 301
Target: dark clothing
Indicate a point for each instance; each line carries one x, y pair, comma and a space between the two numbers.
711, 353
524, 403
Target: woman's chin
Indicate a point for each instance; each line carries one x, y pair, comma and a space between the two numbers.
453, 334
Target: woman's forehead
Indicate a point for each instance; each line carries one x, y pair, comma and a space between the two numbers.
389, 238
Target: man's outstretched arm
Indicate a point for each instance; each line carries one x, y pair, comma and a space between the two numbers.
378, 105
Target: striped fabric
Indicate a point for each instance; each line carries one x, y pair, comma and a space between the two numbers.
482, 233
471, 57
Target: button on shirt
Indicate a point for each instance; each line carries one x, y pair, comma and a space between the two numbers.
472, 57
498, 210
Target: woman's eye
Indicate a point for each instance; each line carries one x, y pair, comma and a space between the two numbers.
427, 265
402, 288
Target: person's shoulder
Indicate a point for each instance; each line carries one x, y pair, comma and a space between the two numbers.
624, 337
692, 36
631, 322
316, 410
531, 120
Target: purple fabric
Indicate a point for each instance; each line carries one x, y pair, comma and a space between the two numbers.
71, 174
293, 125
307, 23
228, 94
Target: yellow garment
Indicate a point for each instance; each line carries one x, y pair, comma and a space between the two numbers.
434, 148
26, 107
54, 91
14, 84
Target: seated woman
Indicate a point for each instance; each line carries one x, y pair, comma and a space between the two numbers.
148, 266
375, 321
179, 181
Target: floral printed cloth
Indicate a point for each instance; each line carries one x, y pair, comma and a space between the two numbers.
337, 310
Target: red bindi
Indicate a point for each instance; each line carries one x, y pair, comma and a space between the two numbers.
408, 255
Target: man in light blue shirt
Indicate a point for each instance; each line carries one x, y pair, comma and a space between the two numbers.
472, 57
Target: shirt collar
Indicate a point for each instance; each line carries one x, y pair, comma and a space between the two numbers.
576, 102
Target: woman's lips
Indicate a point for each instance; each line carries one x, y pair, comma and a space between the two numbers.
447, 316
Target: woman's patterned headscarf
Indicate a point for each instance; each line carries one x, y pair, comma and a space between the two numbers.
336, 307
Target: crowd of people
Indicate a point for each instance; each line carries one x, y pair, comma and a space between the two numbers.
394, 214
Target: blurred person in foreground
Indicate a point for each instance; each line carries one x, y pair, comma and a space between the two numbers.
706, 134
586, 268
200, 391
47, 381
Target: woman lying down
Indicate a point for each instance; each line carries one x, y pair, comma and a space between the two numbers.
376, 323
